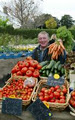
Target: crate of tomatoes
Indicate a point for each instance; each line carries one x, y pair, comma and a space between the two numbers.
57, 97
72, 101
20, 88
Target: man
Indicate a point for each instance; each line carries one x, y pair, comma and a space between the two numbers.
41, 52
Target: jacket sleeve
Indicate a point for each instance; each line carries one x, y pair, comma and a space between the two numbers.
62, 58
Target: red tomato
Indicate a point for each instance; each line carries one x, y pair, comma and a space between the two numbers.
26, 63
52, 100
58, 90
62, 101
29, 73
57, 101
61, 93
73, 93
40, 94
31, 68
39, 66
46, 97
73, 104
24, 69
19, 73
56, 87
41, 98
62, 97
43, 90
52, 89
51, 96
49, 91
56, 94
73, 97
33, 63
64, 90
21, 64
36, 74
15, 69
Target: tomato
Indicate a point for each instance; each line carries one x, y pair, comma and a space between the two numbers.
21, 64
46, 97
31, 68
52, 89
73, 97
19, 73
33, 63
15, 69
64, 90
62, 101
39, 66
43, 90
73, 93
26, 63
29, 73
73, 104
62, 97
41, 98
61, 93
52, 100
46, 91
56, 94
49, 92
57, 101
40, 94
71, 101
24, 69
58, 90
56, 87
51, 96
36, 74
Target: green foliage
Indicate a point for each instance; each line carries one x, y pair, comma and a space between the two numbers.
67, 21
51, 23
3, 23
66, 36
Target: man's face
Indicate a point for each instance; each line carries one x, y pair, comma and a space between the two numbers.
43, 40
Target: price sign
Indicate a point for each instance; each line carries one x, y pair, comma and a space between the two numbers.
39, 110
55, 80
12, 106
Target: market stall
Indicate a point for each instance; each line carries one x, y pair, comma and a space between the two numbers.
43, 73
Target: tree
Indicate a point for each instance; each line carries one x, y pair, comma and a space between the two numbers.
51, 23
39, 21
67, 21
3, 23
58, 21
23, 11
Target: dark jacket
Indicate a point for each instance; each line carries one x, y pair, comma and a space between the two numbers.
40, 55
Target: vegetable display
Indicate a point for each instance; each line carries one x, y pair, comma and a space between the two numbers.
17, 89
55, 94
29, 67
52, 67
72, 99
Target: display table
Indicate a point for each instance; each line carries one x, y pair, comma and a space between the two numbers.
62, 115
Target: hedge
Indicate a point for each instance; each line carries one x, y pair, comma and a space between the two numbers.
29, 33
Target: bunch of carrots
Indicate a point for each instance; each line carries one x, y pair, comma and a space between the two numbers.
56, 49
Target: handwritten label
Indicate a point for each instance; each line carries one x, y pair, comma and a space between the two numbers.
39, 110
12, 106
53, 82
